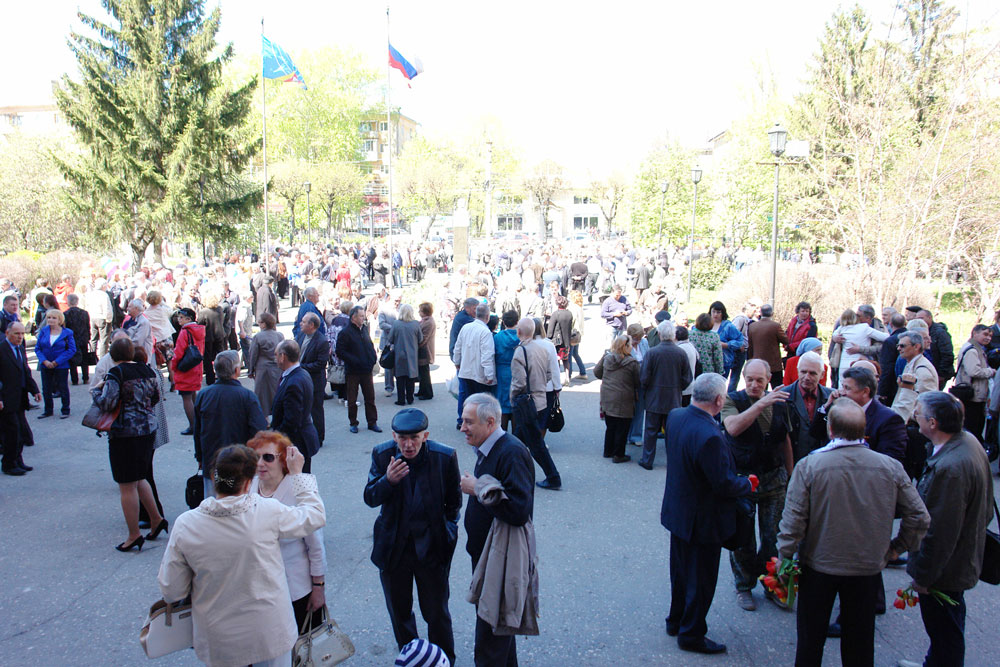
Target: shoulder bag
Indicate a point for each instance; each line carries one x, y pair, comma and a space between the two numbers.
322, 646
168, 628
98, 419
192, 355
556, 419
963, 391
388, 357
194, 490
991, 554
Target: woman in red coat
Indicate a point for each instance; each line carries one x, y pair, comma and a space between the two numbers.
188, 382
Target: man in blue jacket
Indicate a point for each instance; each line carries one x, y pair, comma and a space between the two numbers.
699, 510
311, 296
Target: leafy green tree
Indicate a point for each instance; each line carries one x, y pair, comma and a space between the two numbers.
544, 184
288, 185
337, 189
672, 163
151, 111
428, 176
609, 195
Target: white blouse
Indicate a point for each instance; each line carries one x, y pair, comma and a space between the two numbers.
226, 555
304, 557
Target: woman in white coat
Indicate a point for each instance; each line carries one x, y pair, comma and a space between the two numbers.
226, 555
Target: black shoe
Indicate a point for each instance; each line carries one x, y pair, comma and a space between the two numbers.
30, 444
621, 459
703, 645
25, 467
375, 427
425, 398
14, 472
188, 431
899, 562
137, 542
327, 397
64, 415
354, 428
672, 629
833, 630
552, 485
44, 415
162, 527
399, 402
645, 466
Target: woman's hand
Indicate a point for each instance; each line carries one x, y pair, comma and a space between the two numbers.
294, 460
317, 599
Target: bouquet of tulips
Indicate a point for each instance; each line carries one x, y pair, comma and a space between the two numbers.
907, 597
776, 569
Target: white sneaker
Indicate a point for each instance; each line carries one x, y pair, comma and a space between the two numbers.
908, 663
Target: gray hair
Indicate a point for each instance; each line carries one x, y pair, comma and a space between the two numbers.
767, 310
867, 310
406, 313
915, 338
71, 299
227, 364
137, 303
470, 303
310, 291
487, 407
707, 387
312, 318
289, 348
810, 356
666, 330
483, 311
944, 408
345, 306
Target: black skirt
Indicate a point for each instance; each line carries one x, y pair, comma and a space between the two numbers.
130, 457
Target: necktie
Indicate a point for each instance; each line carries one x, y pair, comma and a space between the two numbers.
17, 354
479, 461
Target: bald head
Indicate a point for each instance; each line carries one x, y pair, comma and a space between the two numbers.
525, 328
846, 420
15, 333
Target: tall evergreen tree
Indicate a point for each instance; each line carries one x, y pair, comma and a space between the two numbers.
157, 122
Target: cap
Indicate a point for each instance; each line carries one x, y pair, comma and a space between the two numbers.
409, 421
661, 315
422, 653
914, 309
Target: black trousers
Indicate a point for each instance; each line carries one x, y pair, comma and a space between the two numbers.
300, 609
615, 434
493, 650
694, 571
432, 594
316, 411
857, 608
368, 389
777, 379
77, 370
945, 626
975, 418
404, 388
426, 386
10, 436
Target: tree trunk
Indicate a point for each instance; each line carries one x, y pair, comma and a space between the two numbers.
157, 250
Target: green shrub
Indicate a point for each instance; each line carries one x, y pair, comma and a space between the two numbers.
709, 274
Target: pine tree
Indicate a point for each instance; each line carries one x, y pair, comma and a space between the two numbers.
157, 122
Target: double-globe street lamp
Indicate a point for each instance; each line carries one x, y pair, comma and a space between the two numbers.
777, 136
695, 178
309, 229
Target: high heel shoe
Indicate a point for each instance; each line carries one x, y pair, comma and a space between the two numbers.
161, 527
137, 542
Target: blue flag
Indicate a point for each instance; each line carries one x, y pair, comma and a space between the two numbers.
278, 64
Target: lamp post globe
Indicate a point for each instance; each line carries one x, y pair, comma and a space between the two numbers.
777, 136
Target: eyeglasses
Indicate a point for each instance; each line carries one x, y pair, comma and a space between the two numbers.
902, 346
269, 457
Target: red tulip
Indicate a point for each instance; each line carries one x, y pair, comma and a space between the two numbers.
899, 604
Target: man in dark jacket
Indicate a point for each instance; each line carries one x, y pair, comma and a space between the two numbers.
665, 373
17, 384
310, 299
805, 395
942, 350
78, 321
355, 348
463, 317
290, 413
887, 359
416, 483
315, 355
699, 510
224, 413
957, 489
505, 458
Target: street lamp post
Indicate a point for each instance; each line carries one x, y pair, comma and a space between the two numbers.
201, 196
309, 235
695, 177
777, 136
659, 233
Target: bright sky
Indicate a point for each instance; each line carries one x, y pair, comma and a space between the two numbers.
592, 85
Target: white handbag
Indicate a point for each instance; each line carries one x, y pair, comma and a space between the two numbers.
168, 628
322, 646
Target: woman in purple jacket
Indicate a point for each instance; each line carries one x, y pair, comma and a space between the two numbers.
54, 348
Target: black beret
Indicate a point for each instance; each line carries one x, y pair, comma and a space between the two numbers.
409, 422
914, 309
661, 315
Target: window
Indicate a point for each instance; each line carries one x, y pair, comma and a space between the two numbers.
511, 201
369, 145
582, 222
366, 169
365, 126
511, 223
384, 168
383, 126
582, 200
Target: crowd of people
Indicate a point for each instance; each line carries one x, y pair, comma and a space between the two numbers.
750, 469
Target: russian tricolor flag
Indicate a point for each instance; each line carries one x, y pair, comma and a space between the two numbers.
410, 68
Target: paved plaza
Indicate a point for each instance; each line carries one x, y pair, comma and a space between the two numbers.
70, 599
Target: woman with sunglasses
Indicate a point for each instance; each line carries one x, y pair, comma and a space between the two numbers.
304, 557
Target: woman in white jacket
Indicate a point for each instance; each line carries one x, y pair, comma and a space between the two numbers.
855, 333
226, 555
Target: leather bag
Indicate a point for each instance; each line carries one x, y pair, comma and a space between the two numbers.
322, 646
99, 420
336, 374
168, 628
991, 553
192, 356
194, 490
388, 357
556, 419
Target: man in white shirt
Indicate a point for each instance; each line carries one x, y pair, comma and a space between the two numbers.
475, 359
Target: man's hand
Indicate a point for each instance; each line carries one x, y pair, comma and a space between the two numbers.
397, 470
38, 397
754, 482
853, 349
772, 398
468, 484
920, 589
837, 338
834, 395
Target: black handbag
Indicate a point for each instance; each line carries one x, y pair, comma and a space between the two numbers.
191, 357
744, 534
194, 491
388, 357
991, 553
963, 391
556, 418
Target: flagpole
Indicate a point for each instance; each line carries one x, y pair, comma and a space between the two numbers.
263, 88
388, 112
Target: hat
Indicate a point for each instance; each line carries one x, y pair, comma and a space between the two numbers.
409, 421
661, 316
914, 309
422, 653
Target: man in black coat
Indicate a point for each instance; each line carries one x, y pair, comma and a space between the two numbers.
293, 402
355, 348
266, 301
699, 509
17, 384
887, 359
78, 321
665, 374
225, 413
507, 459
416, 483
315, 351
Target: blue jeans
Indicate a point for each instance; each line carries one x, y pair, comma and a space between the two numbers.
55, 379
574, 353
467, 388
739, 359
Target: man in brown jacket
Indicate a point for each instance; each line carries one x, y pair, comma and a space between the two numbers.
766, 339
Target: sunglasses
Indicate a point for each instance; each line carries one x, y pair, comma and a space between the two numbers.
269, 458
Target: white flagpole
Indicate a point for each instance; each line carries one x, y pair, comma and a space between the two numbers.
263, 88
388, 112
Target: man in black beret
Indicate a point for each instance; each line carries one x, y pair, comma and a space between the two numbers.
416, 482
